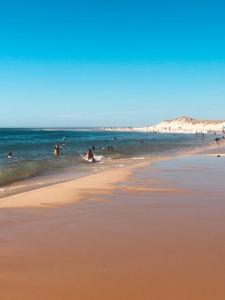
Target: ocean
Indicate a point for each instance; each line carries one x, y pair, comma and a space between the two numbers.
33, 157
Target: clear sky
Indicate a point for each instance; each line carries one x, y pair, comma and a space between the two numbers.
110, 62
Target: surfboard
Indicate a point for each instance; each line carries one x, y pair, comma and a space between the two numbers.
97, 158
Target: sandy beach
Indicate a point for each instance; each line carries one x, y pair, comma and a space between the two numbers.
145, 232
112, 150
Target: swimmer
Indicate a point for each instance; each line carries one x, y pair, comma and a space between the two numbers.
10, 155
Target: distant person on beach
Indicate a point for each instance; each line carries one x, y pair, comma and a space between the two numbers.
93, 147
56, 150
10, 155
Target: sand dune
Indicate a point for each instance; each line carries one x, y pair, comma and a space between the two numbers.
179, 125
187, 124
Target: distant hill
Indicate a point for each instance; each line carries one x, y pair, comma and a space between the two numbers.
188, 124
178, 125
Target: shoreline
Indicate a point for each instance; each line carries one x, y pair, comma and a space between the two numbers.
38, 182
29, 175
103, 181
72, 191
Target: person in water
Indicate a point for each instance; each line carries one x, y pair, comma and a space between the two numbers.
10, 155
90, 155
217, 140
56, 150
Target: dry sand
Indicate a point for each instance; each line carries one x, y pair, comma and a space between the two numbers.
158, 235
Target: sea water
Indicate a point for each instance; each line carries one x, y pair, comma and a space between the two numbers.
33, 157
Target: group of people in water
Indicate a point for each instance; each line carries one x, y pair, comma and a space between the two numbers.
110, 148
89, 154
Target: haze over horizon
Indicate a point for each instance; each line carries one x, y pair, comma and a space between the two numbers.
120, 63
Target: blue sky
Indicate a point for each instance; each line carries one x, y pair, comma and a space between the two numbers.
96, 63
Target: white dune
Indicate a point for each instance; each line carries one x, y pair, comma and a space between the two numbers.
178, 125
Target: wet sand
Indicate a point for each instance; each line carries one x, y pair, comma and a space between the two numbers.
75, 190
157, 233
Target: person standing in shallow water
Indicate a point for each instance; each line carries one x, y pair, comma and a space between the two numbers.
56, 150
91, 155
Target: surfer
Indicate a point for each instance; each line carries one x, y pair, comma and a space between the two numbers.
90, 155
